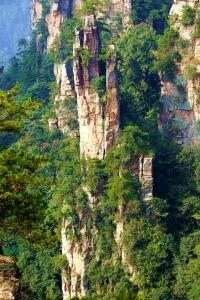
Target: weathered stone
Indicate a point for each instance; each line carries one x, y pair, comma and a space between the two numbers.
64, 91
90, 110
146, 177
36, 12
60, 10
9, 283
98, 122
62, 80
76, 254
123, 8
180, 114
53, 123
112, 113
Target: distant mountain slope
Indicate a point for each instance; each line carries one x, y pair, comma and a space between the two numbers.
14, 25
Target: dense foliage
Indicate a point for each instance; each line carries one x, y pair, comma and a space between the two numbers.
43, 179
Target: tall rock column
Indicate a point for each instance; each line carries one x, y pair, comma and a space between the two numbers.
76, 254
59, 11
98, 125
146, 178
112, 113
90, 110
180, 113
36, 12
98, 121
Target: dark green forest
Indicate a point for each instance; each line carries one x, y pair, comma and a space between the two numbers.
41, 172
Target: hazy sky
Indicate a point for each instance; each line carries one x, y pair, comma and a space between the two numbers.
14, 25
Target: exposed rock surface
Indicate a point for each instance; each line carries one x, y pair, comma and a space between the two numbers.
179, 118
76, 254
64, 91
112, 113
146, 177
98, 126
59, 11
9, 284
90, 110
98, 121
122, 8
36, 12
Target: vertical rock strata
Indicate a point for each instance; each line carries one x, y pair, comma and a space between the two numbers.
111, 117
90, 110
179, 117
146, 178
76, 254
99, 122
59, 11
61, 72
98, 125
36, 12
9, 284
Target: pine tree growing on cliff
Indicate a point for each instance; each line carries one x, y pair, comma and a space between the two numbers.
18, 196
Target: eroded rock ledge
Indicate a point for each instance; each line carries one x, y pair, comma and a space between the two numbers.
9, 283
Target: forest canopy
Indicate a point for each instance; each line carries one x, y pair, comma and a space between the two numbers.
49, 192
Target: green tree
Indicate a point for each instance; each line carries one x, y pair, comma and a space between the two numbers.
18, 195
167, 54
188, 14
139, 85
152, 12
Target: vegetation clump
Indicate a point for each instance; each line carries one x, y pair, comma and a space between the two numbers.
188, 15
43, 179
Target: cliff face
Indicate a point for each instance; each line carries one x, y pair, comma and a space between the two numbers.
54, 19
99, 126
59, 11
9, 284
36, 12
179, 118
89, 108
97, 137
123, 8
98, 121
112, 114
76, 254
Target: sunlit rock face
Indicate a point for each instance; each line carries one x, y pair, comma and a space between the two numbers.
14, 25
57, 13
99, 126
36, 12
9, 284
179, 118
98, 121
89, 107
76, 254
122, 8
